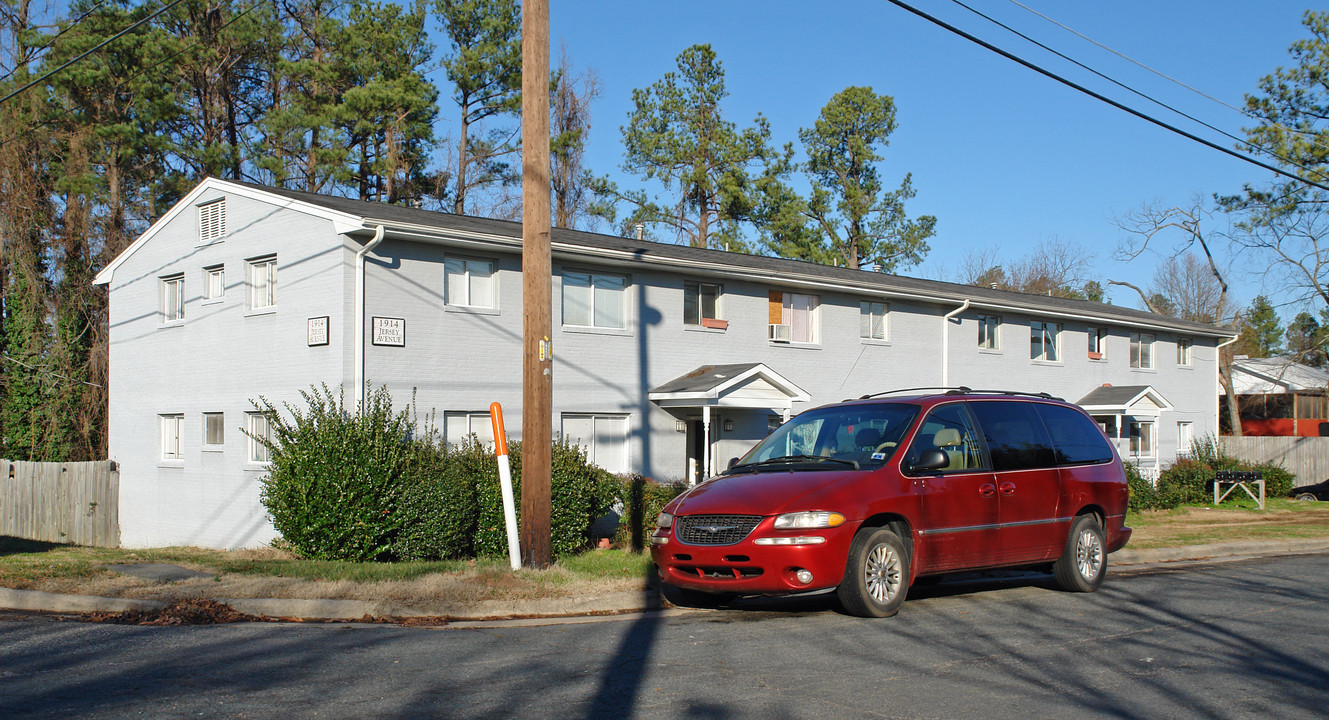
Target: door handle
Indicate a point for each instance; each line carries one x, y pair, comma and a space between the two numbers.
987, 490
1008, 488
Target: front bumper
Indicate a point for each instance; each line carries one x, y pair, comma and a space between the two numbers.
747, 568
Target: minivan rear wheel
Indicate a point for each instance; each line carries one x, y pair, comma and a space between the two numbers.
1083, 563
876, 577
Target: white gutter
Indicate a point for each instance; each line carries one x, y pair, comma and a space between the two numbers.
360, 317
1218, 363
946, 343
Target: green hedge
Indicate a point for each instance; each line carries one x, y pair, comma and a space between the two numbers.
337, 479
642, 500
362, 486
1191, 481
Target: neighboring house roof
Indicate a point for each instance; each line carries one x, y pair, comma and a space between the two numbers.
352, 216
1124, 400
737, 385
1275, 375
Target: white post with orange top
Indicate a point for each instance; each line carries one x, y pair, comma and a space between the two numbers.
505, 484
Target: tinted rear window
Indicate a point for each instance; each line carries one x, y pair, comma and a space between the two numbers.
1075, 437
1015, 435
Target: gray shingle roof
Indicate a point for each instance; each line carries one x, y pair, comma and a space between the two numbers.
1112, 395
704, 378
645, 251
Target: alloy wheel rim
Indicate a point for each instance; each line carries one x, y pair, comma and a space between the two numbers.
1088, 554
883, 572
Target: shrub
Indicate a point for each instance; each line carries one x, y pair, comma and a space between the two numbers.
336, 479
438, 509
1192, 480
643, 499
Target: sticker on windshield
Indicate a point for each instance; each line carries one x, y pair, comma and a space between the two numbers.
878, 456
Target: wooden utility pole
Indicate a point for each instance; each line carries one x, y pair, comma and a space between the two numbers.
537, 405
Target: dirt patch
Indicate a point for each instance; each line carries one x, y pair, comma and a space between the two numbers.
193, 611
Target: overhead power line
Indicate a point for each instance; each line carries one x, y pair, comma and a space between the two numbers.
57, 36
1245, 112
94, 49
1103, 98
1132, 90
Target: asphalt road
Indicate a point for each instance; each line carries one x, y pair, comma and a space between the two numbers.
1226, 640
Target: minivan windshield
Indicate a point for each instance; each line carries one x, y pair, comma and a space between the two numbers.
852, 437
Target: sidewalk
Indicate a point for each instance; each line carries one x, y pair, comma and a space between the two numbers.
613, 603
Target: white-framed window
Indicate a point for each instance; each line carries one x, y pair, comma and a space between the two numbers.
458, 425
469, 283
170, 425
989, 332
701, 302
1142, 439
214, 430
1097, 343
1184, 352
212, 221
605, 437
1045, 341
872, 320
800, 313
173, 298
1142, 350
594, 300
263, 283
1185, 436
258, 427
214, 282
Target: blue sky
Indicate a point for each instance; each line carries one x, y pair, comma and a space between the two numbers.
1000, 154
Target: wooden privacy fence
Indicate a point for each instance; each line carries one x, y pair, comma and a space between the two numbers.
61, 502
1305, 457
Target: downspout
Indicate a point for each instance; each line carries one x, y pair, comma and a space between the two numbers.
360, 317
946, 343
1218, 369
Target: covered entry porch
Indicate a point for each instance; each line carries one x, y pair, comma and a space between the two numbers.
1129, 416
724, 410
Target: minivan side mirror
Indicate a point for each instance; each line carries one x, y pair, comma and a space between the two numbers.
732, 462
932, 459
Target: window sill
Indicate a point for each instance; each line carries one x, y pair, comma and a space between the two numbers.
1144, 370
1049, 363
704, 329
171, 464
1185, 367
171, 324
991, 351
213, 448
874, 341
796, 345
1099, 360
256, 467
597, 330
471, 309
269, 310
212, 241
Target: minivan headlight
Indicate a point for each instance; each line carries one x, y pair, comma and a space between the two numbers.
665, 520
808, 520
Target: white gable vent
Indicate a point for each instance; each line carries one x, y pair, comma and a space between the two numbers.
212, 220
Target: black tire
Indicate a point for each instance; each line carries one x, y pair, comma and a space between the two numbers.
1083, 563
687, 598
876, 577
1306, 497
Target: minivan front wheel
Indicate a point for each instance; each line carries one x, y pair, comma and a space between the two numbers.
1084, 561
876, 576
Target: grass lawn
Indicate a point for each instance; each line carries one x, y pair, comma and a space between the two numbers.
270, 572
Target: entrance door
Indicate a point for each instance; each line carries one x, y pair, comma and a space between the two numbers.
696, 467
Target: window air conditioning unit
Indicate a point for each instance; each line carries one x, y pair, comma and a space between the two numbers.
780, 333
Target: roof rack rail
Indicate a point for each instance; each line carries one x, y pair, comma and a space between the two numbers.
962, 390
950, 390
1045, 396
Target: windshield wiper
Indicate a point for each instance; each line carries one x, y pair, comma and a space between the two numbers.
795, 458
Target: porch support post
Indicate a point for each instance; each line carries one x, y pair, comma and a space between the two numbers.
706, 433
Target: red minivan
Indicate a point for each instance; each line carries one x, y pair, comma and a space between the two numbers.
864, 497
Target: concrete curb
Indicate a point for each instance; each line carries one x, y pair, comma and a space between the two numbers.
623, 602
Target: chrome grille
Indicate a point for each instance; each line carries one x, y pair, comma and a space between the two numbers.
714, 529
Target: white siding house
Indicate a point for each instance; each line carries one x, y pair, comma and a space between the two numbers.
667, 359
